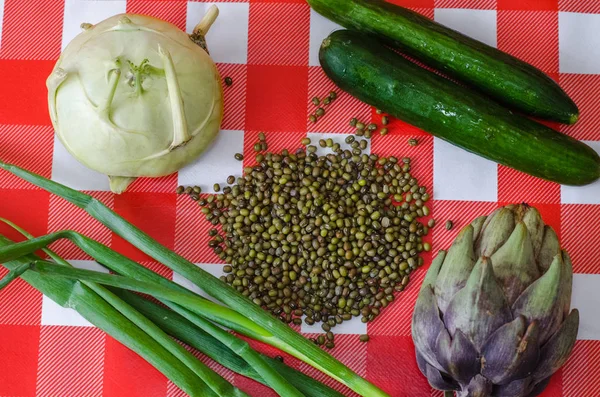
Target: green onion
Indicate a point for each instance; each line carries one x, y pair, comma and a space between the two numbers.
174, 293
13, 275
284, 337
194, 303
182, 329
76, 295
217, 383
168, 320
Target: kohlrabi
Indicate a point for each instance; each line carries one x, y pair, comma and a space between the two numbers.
134, 96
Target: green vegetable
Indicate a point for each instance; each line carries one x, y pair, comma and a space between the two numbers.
177, 326
96, 310
377, 75
282, 337
493, 316
507, 79
135, 96
191, 302
13, 275
182, 329
159, 287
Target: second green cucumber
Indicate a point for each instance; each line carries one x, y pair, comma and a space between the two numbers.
373, 73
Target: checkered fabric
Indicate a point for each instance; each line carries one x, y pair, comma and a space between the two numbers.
269, 48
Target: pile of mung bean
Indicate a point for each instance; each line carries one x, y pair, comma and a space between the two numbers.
320, 237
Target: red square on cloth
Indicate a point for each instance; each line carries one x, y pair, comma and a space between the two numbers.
127, 374
20, 304
26, 208
581, 374
18, 360
584, 251
414, 3
234, 95
472, 4
461, 213
515, 186
164, 184
42, 37
173, 11
22, 84
251, 387
339, 112
70, 361
153, 213
29, 147
275, 1
191, 232
278, 34
63, 215
555, 387
531, 36
582, 88
351, 352
395, 320
276, 98
533, 5
589, 6
392, 366
421, 155
276, 143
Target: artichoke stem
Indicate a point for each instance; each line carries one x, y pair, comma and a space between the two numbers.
181, 135
448, 393
209, 18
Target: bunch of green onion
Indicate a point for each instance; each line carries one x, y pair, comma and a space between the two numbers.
107, 301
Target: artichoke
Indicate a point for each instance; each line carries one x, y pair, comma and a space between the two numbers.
493, 314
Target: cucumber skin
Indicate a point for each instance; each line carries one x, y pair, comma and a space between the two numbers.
510, 81
365, 68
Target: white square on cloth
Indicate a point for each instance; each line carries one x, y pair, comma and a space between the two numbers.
460, 175
1, 18
70, 172
586, 296
320, 27
80, 11
227, 39
217, 163
579, 43
478, 24
215, 269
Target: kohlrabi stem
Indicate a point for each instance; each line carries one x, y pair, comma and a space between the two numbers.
181, 135
54, 81
113, 81
204, 26
138, 83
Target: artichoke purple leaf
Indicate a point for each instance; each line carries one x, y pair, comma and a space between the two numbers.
493, 314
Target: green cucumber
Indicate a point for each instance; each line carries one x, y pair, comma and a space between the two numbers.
510, 81
364, 67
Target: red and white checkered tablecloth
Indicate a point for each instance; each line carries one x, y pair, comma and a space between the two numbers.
270, 49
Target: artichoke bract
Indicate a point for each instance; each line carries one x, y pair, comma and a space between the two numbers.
135, 96
493, 314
